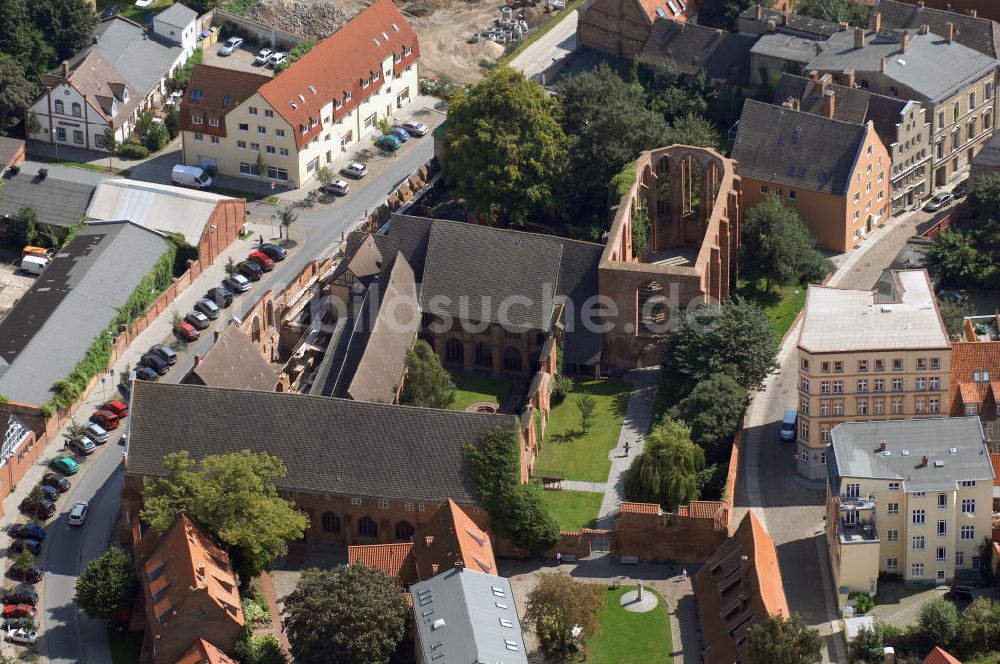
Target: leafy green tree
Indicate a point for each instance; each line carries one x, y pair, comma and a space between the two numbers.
775, 245
252, 649
781, 641
536, 528
984, 195
586, 405
296, 53
23, 559
938, 623
714, 410
324, 175
22, 227
33, 126
980, 631
230, 266
75, 430
234, 497
23, 39
351, 614
735, 338
173, 122
953, 314
557, 605
505, 149
287, 217
959, 260
426, 383
67, 24
107, 585
16, 91
261, 166
667, 470
676, 101
694, 130
111, 145
835, 11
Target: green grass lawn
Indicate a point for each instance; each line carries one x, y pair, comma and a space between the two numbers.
637, 638
128, 9
782, 305
574, 509
570, 452
470, 389
125, 646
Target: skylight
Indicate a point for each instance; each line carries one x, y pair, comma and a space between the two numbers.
385, 36
395, 27
376, 42
312, 89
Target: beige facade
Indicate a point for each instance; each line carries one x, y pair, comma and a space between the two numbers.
910, 155
962, 125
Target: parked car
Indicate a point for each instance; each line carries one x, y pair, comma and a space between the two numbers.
78, 514
230, 46
262, 56
190, 176
961, 592
51, 493
197, 319
250, 270
22, 636
31, 545
221, 295
400, 133
414, 128
789, 425
154, 362
84, 446
938, 202
24, 574
956, 295
19, 595
209, 308
19, 611
64, 465
961, 189
21, 623
276, 253
148, 375
388, 142
96, 433
28, 531
164, 351
276, 59
106, 419
238, 283
185, 331
355, 169
41, 509
60, 483
262, 259
338, 187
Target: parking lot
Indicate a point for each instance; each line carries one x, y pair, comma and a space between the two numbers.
240, 60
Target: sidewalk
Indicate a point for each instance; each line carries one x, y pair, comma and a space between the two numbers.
94, 157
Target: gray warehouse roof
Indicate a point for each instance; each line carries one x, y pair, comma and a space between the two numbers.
786, 47
57, 202
74, 300
955, 448
142, 56
177, 14
465, 616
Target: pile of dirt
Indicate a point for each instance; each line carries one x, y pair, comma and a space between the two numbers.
311, 19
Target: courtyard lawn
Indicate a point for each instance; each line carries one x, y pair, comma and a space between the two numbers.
637, 638
573, 510
569, 452
781, 305
470, 389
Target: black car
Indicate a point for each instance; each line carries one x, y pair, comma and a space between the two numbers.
145, 373
19, 595
56, 482
26, 544
961, 189
24, 574
42, 509
155, 362
28, 531
221, 295
273, 251
51, 493
164, 351
250, 270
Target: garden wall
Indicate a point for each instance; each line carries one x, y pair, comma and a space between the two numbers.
258, 32
692, 534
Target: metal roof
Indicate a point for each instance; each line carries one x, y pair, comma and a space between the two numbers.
786, 47
142, 56
177, 14
57, 202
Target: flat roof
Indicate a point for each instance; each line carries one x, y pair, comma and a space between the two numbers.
58, 202
841, 320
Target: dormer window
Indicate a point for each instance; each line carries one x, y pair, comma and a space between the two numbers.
197, 94
125, 94
213, 122
398, 58
376, 42
303, 128
395, 27
348, 96
337, 103
227, 101
407, 50
376, 75
365, 83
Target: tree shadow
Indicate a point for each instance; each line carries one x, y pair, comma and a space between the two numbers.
567, 436
619, 406
755, 292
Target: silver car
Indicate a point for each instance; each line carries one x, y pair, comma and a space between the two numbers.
339, 187
78, 514
207, 307
414, 128
262, 57
238, 283
232, 44
355, 170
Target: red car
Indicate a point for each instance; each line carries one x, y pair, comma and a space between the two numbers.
117, 407
105, 418
19, 611
262, 259
186, 331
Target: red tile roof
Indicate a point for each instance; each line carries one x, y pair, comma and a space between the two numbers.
452, 539
640, 508
393, 559
938, 656
995, 458
214, 86
335, 68
203, 652
968, 358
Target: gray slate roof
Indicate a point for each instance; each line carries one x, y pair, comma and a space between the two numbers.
796, 149
980, 34
142, 56
463, 605
931, 66
856, 452
805, 26
57, 202
724, 56
329, 446
74, 300
786, 47
177, 14
235, 361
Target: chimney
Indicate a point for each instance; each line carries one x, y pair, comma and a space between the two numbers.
197, 360
881, 446
65, 64
951, 32
924, 29
791, 104
784, 17
923, 461
920, 4
888, 655
824, 83
847, 78
814, 75
844, 25
760, 12
881, 65
772, 26
973, 13
877, 16
904, 42
217, 333
829, 104
859, 38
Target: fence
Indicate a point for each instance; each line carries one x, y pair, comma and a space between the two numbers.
256, 31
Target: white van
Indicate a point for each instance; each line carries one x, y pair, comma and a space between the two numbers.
190, 176
34, 264
788, 425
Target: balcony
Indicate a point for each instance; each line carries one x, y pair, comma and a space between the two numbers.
856, 503
862, 532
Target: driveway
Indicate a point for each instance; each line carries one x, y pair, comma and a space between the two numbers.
240, 60
538, 60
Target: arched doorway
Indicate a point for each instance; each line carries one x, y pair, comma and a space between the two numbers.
454, 351
404, 531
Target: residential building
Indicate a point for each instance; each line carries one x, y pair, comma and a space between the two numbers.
903, 126
776, 53
940, 656
835, 174
313, 111
737, 588
912, 498
975, 384
191, 591
975, 30
863, 357
18, 451
49, 330
364, 473
955, 83
208, 222
621, 27
178, 23
58, 203
467, 616
987, 160
232, 361
692, 50
203, 652
758, 20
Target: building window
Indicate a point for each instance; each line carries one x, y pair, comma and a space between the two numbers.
959, 559
312, 165
956, 110
804, 385
862, 385
862, 366
383, 504
932, 405
454, 351
862, 406
268, 113
972, 100
248, 169
988, 91
484, 356
935, 383
408, 506
878, 406
967, 533
252, 110
824, 367
275, 173
897, 406
879, 384
838, 387
255, 147
330, 522
791, 194
280, 133
242, 145
199, 137
919, 406
283, 152
892, 563
921, 364
824, 387
975, 562
838, 408
918, 516
918, 543
356, 501
942, 528
59, 107
968, 484
942, 502
261, 130
213, 122
215, 140
367, 527
804, 430
77, 110
893, 486
197, 119
60, 134
404, 531
968, 506
879, 365
852, 490
892, 508
892, 535
941, 554
78, 136
824, 431
99, 140
511, 359
270, 149
897, 384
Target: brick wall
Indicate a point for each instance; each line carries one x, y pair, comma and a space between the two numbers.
617, 27
680, 537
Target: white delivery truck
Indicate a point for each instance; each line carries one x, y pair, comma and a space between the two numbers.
34, 264
190, 176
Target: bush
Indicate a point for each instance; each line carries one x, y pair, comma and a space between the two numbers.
562, 386
256, 614
252, 649
863, 602
132, 150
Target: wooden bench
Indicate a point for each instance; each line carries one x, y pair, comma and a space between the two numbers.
630, 560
